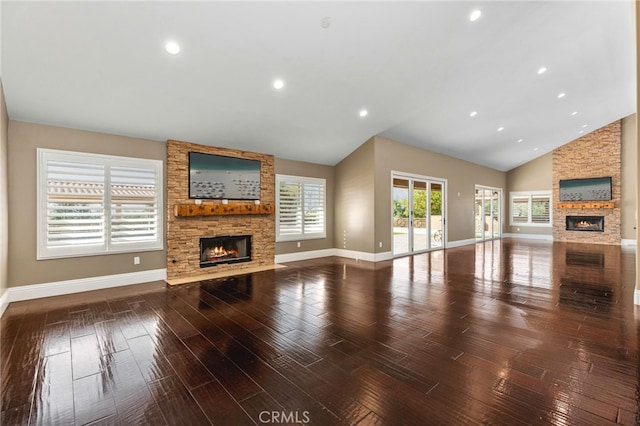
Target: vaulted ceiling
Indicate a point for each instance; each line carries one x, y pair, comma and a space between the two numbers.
420, 69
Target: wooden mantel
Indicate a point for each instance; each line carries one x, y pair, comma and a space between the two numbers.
193, 210
587, 205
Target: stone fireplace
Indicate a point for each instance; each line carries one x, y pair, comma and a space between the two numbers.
595, 155
189, 220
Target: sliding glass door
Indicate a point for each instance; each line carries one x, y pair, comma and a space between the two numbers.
488, 218
418, 214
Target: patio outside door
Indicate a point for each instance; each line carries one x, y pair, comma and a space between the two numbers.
418, 214
488, 220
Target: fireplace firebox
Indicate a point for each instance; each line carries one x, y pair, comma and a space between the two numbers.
585, 223
224, 249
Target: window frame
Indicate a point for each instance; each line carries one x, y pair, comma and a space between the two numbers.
530, 195
46, 251
302, 180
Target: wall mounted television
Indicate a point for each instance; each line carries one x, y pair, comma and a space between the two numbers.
590, 189
219, 177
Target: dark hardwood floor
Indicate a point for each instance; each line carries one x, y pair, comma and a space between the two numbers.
507, 332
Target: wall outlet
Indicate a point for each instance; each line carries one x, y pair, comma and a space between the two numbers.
380, 244
298, 244
136, 260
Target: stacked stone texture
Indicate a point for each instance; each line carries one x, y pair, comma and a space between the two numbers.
184, 233
597, 154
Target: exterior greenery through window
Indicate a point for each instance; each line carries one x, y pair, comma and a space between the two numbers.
92, 204
401, 207
531, 208
301, 208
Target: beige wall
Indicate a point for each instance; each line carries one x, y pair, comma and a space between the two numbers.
298, 168
629, 178
4, 205
461, 176
532, 176
24, 138
354, 200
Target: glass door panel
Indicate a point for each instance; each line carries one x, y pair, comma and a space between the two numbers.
401, 211
436, 222
419, 216
488, 221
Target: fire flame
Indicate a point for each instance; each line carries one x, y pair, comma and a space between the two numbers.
220, 251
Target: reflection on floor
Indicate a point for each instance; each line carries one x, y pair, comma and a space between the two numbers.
502, 332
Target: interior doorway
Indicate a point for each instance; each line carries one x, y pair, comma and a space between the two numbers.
418, 214
488, 217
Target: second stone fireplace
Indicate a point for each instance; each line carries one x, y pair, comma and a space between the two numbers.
585, 223
224, 249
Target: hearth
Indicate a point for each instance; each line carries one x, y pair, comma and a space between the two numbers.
585, 223
225, 249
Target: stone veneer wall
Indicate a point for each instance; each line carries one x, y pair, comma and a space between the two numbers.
183, 233
596, 154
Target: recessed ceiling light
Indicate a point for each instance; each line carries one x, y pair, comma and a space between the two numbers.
536, 148
172, 47
473, 113
542, 70
520, 140
581, 132
363, 113
475, 15
278, 84
500, 128
561, 95
574, 113
584, 125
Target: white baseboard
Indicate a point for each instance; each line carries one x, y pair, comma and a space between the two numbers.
529, 236
349, 254
460, 243
4, 301
304, 255
636, 297
628, 243
36, 291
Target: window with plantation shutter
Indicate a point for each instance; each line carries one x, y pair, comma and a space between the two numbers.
301, 208
531, 208
92, 204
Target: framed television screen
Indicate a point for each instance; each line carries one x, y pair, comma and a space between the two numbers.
220, 177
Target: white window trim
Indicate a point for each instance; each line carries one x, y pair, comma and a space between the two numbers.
302, 236
46, 252
530, 195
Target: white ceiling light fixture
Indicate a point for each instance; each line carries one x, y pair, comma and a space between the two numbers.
574, 113
581, 132
473, 113
536, 148
584, 125
501, 128
363, 113
542, 70
278, 84
172, 47
520, 140
475, 15
561, 95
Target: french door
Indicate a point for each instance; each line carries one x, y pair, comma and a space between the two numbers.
418, 214
488, 217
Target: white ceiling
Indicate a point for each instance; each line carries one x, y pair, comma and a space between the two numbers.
420, 68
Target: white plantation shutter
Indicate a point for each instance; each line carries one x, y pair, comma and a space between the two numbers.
301, 208
94, 204
134, 204
520, 209
531, 208
540, 206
